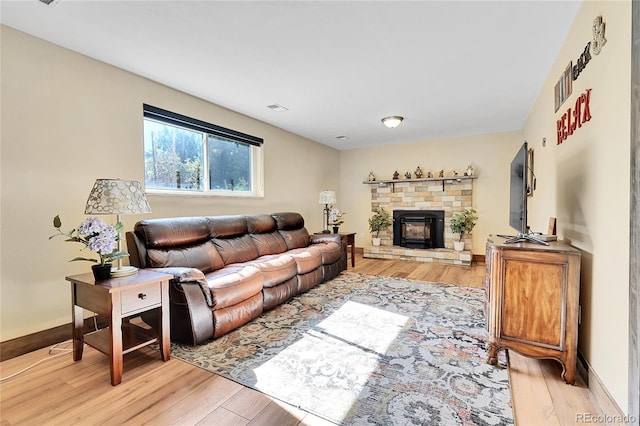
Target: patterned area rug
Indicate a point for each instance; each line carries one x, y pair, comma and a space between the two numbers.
369, 350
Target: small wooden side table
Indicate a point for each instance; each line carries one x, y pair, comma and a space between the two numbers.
119, 299
350, 239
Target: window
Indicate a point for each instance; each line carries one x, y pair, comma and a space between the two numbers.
183, 155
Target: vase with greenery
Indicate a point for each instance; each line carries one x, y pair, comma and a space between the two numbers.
379, 221
463, 222
96, 236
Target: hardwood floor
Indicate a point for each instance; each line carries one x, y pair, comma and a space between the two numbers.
61, 391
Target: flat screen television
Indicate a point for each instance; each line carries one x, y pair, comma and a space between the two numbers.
518, 192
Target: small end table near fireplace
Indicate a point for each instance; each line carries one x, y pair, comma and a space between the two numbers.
350, 240
119, 299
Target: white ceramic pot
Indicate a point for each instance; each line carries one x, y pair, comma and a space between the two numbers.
458, 245
375, 241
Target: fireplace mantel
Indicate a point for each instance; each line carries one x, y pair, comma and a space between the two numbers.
392, 182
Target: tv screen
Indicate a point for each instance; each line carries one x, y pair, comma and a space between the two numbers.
518, 198
518, 191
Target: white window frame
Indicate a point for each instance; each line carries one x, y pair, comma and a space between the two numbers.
165, 117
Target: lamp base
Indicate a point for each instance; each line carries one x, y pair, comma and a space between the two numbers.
326, 231
123, 271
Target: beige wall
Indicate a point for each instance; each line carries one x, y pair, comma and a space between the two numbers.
67, 120
585, 183
490, 155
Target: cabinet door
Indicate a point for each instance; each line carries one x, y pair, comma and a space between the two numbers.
534, 299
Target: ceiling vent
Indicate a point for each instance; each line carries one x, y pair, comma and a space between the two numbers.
277, 108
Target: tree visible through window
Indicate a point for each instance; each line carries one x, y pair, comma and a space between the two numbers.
187, 155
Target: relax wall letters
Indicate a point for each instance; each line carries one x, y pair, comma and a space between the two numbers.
574, 118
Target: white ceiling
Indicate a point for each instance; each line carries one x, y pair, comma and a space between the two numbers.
451, 68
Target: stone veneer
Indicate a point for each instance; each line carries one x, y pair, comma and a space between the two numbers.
423, 194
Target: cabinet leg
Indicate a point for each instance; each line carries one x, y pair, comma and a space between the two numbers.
492, 350
568, 374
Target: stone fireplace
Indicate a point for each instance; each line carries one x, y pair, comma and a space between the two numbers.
427, 235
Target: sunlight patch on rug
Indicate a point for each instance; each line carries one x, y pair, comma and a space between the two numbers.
369, 350
357, 348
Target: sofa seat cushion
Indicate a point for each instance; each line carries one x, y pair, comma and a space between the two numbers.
331, 252
307, 258
234, 284
275, 268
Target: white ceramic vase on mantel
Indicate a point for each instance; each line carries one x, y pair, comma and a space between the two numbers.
458, 245
375, 241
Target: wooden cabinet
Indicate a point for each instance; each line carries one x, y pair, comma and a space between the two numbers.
532, 301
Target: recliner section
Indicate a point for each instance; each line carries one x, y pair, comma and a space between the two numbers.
230, 269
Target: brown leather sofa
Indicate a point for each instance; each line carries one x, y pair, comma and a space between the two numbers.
229, 269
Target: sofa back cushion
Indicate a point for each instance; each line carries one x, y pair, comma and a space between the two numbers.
291, 228
230, 236
183, 241
265, 235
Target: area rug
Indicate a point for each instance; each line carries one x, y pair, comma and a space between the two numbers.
369, 350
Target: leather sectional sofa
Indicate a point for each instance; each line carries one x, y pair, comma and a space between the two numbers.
229, 269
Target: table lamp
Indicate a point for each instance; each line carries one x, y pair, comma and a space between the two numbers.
117, 196
327, 198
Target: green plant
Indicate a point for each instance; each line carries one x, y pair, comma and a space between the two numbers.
95, 235
379, 221
463, 222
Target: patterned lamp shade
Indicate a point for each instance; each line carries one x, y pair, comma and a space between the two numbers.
116, 196
327, 197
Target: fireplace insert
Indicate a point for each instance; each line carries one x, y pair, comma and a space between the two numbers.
418, 228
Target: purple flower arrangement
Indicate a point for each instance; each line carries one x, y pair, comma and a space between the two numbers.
97, 236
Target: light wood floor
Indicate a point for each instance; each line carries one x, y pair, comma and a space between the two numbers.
61, 391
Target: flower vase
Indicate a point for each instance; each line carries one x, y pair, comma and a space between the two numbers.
335, 229
101, 272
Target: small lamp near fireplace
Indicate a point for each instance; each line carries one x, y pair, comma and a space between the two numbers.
116, 196
327, 198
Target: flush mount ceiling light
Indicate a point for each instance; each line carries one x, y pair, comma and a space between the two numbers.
393, 121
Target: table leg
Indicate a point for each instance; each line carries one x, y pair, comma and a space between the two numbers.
353, 254
77, 314
164, 326
115, 332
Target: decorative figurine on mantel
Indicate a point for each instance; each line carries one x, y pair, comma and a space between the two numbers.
429, 175
372, 177
469, 171
418, 172
407, 175
455, 173
396, 175
441, 173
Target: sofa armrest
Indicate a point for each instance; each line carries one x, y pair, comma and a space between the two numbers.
325, 238
181, 274
190, 299
185, 275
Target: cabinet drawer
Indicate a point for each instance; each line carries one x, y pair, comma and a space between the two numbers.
141, 298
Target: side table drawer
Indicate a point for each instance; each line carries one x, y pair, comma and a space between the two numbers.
141, 298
